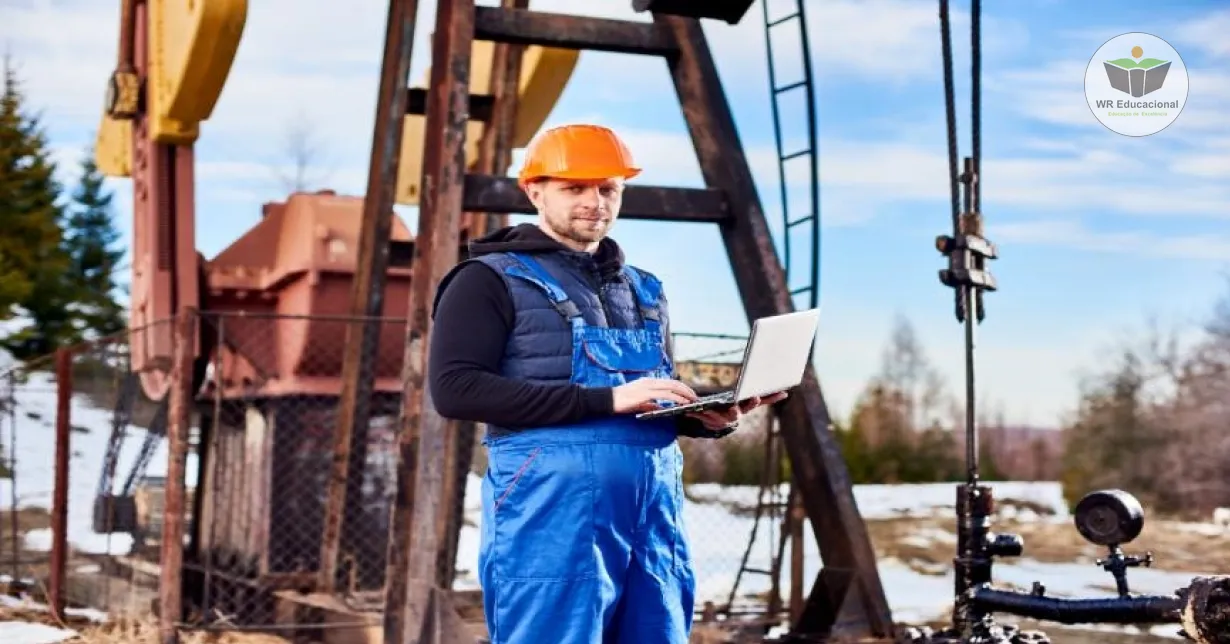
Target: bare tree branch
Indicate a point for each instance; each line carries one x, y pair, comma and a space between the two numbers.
299, 168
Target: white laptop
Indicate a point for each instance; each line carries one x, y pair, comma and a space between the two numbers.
774, 360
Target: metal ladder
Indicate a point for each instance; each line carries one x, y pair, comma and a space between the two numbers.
770, 505
795, 226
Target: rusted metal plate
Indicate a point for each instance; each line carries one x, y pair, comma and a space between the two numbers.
731, 11
520, 27
480, 104
484, 193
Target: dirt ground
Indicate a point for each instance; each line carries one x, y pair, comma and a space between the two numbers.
131, 632
926, 545
146, 632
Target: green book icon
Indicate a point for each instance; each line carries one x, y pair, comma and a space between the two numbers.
1136, 77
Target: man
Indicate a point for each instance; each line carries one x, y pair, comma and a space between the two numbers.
551, 340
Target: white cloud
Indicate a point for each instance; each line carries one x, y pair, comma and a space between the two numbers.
1208, 33
323, 63
1076, 235
292, 59
1053, 93
1204, 166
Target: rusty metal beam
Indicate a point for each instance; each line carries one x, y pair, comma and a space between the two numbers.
487, 193
480, 104
494, 157
495, 147
367, 295
419, 525
179, 423
850, 563
520, 27
59, 497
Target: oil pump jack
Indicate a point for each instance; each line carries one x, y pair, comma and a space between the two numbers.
496, 72
173, 62
297, 263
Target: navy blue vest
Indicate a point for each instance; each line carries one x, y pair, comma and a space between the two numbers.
539, 349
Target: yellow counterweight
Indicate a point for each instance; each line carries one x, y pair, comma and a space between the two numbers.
192, 47
544, 75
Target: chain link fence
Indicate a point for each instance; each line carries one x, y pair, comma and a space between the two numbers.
86, 405
261, 445
269, 407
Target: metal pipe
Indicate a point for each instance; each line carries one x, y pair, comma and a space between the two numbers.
969, 294
59, 502
128, 30
179, 422
12, 463
1141, 609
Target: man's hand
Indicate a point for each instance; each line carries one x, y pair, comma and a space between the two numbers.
715, 419
639, 395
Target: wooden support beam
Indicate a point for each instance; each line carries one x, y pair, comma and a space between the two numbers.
367, 294
494, 156
423, 473
480, 104
816, 459
521, 27
707, 205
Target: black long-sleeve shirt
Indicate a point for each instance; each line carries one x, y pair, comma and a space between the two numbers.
473, 318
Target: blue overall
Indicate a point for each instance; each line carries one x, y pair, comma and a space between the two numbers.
582, 536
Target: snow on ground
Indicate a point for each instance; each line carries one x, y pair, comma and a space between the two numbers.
717, 517
719, 538
31, 633
23, 632
1016, 498
35, 417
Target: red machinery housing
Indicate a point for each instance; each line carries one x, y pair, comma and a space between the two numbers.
280, 297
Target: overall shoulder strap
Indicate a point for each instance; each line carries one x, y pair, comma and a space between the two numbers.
527, 268
648, 291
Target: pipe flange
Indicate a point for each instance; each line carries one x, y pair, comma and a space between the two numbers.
1206, 610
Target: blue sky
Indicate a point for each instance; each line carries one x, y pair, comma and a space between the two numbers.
1097, 231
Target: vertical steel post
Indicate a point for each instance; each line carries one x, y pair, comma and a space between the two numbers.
59, 501
418, 524
179, 421
12, 467
367, 296
494, 157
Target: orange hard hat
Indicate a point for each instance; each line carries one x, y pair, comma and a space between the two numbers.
577, 152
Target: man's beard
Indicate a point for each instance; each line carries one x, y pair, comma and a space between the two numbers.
580, 230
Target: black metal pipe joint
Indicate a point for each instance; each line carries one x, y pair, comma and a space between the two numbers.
1142, 609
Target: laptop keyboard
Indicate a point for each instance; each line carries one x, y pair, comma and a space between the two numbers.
726, 396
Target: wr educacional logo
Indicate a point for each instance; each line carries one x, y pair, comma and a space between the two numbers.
1134, 66
1136, 76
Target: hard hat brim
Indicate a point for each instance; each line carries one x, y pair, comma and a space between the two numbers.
584, 175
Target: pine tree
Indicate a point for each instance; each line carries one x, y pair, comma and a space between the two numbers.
32, 265
91, 245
